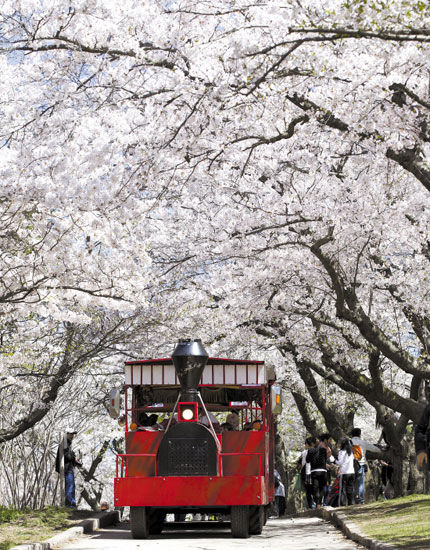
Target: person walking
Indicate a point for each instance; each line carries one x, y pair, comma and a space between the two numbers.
301, 464
65, 452
359, 448
316, 471
345, 462
387, 489
279, 495
327, 441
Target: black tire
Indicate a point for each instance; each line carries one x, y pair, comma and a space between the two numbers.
240, 522
139, 522
155, 521
180, 517
256, 520
266, 513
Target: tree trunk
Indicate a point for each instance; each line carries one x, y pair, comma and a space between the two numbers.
400, 454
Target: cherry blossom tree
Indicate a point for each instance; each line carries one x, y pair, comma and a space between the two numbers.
258, 169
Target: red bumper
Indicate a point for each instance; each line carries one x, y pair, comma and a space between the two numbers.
190, 491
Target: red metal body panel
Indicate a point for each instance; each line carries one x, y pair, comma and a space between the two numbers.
190, 491
241, 462
137, 443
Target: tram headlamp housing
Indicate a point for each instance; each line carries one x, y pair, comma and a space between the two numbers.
187, 412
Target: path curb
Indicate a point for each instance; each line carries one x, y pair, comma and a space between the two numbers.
351, 530
85, 526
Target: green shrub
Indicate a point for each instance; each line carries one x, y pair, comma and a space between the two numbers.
8, 514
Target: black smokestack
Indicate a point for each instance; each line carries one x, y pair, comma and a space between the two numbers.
189, 358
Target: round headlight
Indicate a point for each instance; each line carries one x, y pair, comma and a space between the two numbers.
187, 414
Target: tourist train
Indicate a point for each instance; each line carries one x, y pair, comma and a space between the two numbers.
199, 439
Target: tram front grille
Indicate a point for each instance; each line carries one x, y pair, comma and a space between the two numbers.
188, 457
187, 449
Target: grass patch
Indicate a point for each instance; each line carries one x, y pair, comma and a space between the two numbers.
404, 522
21, 526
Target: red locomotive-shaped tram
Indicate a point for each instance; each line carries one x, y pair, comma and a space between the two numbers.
191, 461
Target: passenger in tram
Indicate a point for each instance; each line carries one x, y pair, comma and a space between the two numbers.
203, 419
144, 420
234, 420
256, 425
164, 423
226, 427
148, 423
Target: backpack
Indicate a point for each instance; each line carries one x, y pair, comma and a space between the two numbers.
358, 453
317, 457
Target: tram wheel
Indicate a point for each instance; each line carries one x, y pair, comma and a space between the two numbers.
155, 521
266, 513
240, 521
139, 522
256, 519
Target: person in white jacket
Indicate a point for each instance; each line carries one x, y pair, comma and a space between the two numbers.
364, 446
345, 462
279, 495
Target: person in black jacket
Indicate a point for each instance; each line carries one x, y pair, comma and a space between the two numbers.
65, 451
316, 470
421, 433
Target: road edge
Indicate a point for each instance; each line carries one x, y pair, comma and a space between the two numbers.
86, 526
351, 530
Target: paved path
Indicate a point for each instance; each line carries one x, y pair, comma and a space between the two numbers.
292, 534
